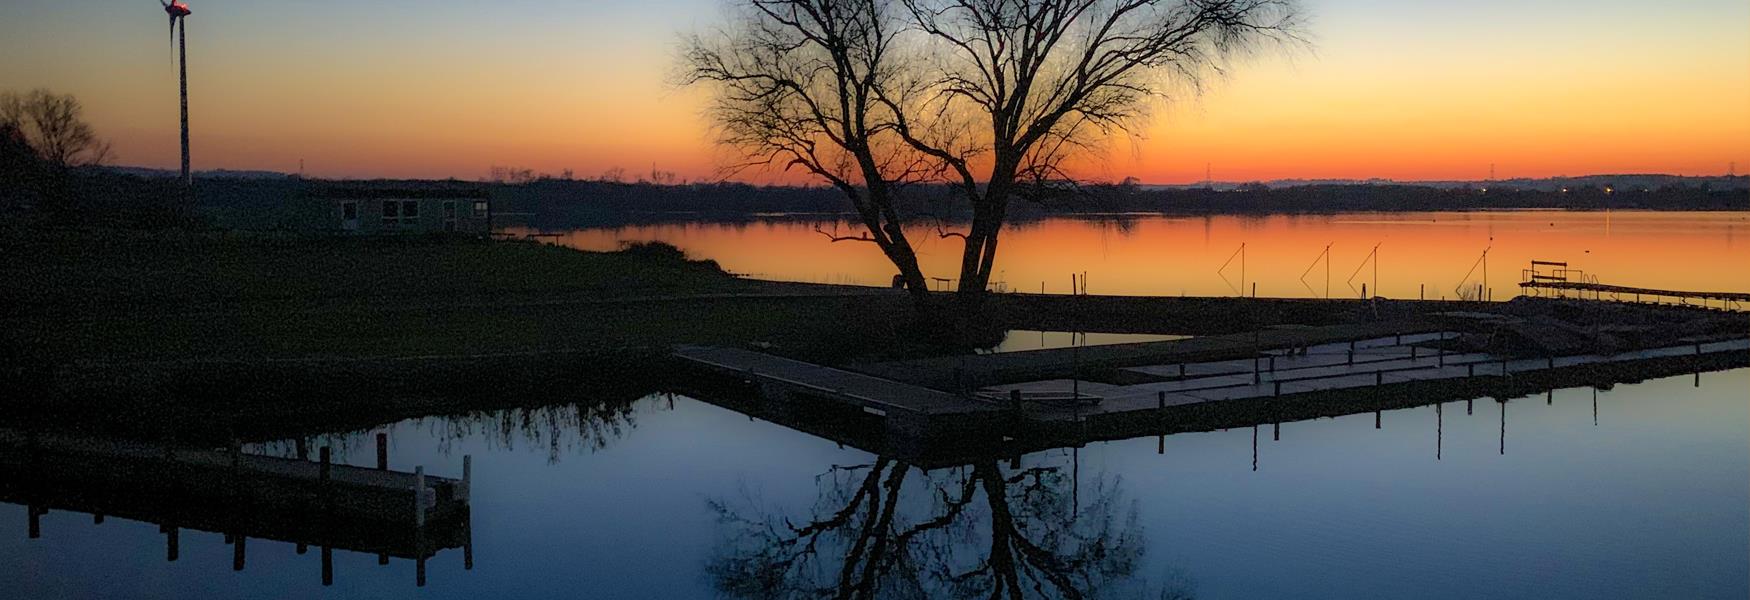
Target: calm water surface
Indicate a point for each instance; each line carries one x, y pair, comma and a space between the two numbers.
1431, 253
1643, 494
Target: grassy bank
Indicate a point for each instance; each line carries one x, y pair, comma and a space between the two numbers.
130, 327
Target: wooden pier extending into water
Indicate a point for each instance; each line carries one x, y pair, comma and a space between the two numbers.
319, 504
1170, 386
1556, 279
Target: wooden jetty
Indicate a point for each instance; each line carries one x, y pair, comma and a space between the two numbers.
1554, 278
391, 514
1274, 385
904, 408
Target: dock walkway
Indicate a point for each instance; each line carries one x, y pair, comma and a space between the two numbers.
870, 392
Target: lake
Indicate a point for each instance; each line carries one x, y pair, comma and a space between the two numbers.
1637, 491
1438, 254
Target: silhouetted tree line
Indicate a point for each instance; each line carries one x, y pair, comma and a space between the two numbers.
50, 169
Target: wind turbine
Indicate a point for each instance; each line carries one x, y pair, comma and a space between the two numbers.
178, 12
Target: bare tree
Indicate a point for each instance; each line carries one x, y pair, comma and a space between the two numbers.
798, 86
54, 126
989, 96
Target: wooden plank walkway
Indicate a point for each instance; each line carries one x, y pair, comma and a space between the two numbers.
955, 371
443, 494
867, 391
1728, 300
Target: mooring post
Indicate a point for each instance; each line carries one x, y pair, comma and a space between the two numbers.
322, 474
1272, 364
1376, 419
419, 496
1254, 289
172, 545
382, 451
1351, 356
1278, 391
1470, 370
1467, 406
1423, 293
1378, 377
1161, 400
1276, 431
237, 553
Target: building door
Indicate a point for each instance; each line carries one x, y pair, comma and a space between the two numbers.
349, 216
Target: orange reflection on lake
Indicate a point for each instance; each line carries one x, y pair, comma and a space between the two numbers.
1156, 255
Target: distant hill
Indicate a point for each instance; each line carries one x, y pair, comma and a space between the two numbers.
151, 173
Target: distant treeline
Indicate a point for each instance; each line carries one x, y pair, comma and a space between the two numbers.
284, 203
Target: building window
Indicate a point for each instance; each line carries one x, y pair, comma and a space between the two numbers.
479, 209
400, 213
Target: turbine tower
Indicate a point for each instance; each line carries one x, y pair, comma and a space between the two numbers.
178, 12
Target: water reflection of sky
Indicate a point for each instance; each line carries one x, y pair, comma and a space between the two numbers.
1649, 502
1420, 253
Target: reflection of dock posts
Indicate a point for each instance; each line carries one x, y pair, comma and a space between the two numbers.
1467, 406
382, 451
237, 552
1376, 415
303, 449
1594, 406
1549, 397
1276, 431
1503, 403
1439, 429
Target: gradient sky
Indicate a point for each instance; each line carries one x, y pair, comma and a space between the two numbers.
444, 88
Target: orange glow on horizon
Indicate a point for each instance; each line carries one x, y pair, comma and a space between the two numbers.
1410, 91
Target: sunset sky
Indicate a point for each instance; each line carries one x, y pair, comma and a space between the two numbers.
442, 88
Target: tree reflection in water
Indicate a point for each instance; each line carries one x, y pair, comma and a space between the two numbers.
887, 530
560, 429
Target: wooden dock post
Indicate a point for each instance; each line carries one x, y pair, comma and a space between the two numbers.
1470, 370
36, 523
1276, 431
382, 451
1423, 293
1413, 352
327, 566
1376, 415
1351, 357
322, 473
1379, 378
1467, 406
467, 476
172, 544
237, 553
1161, 400
1278, 391
419, 496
